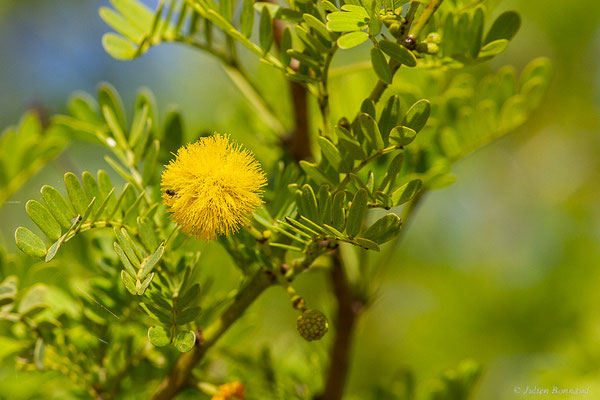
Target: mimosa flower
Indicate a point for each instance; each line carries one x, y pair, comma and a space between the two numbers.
212, 186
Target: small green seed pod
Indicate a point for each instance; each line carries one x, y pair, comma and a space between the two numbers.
312, 325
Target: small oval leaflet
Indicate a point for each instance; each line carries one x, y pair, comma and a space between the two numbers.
352, 39
384, 229
29, 243
399, 53
357, 212
417, 115
158, 336
184, 341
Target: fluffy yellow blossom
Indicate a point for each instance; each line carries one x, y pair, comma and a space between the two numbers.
230, 391
212, 186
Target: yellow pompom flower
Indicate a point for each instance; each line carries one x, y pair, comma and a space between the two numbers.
212, 186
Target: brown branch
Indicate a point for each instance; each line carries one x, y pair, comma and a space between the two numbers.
298, 141
349, 308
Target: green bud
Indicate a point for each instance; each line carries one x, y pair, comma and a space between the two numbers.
433, 37
312, 325
395, 29
432, 48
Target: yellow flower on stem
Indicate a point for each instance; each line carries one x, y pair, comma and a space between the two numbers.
212, 186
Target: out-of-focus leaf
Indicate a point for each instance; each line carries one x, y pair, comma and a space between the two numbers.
504, 27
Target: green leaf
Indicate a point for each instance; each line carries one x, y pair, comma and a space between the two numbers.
351, 145
329, 6
449, 35
135, 12
188, 315
146, 233
368, 107
324, 201
372, 131
106, 187
266, 30
150, 162
305, 58
462, 34
77, 195
331, 153
357, 212
43, 219
157, 313
416, 117
346, 21
352, 39
121, 25
141, 287
314, 172
119, 47
158, 336
338, 219
226, 9
393, 170
91, 189
309, 203
440, 181
88, 210
286, 44
389, 116
184, 341
8, 290
247, 18
367, 244
346, 25
129, 282
34, 300
380, 65
505, 27
191, 295
127, 245
173, 135
108, 97
402, 135
476, 32
384, 229
310, 40
319, 27
493, 48
29, 243
399, 53
83, 107
406, 192
149, 263
126, 263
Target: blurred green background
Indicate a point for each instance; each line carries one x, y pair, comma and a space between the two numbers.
503, 267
